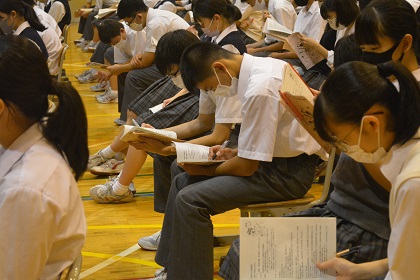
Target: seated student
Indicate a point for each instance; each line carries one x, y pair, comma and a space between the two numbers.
42, 221
357, 201
281, 11
184, 108
20, 19
60, 11
275, 159
127, 44
383, 130
143, 72
309, 23
250, 24
50, 36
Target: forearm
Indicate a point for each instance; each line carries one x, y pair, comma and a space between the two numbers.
237, 167
277, 46
372, 269
191, 128
220, 133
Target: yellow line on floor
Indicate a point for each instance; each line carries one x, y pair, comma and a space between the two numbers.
153, 226
105, 115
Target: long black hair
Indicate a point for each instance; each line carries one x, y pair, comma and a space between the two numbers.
26, 84
208, 8
354, 87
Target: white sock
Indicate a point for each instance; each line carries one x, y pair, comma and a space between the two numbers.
108, 152
115, 92
119, 156
119, 189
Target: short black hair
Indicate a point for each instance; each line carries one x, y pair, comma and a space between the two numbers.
109, 29
346, 10
196, 62
129, 8
383, 18
208, 8
170, 47
346, 49
360, 86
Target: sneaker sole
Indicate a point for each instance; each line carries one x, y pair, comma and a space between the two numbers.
98, 90
146, 247
105, 173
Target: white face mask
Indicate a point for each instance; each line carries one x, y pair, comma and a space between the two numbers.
259, 6
208, 33
358, 154
226, 91
135, 26
333, 24
178, 81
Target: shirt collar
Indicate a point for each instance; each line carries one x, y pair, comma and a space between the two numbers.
224, 33
393, 162
244, 75
18, 148
21, 27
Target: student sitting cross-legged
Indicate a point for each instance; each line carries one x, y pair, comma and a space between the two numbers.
275, 159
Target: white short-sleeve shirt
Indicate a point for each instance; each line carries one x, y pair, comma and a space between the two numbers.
42, 221
134, 44
47, 20
158, 23
310, 23
268, 130
283, 12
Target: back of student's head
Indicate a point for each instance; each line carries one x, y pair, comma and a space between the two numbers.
25, 86
22, 9
29, 2
346, 49
129, 8
209, 8
109, 29
197, 60
346, 10
354, 87
170, 47
383, 18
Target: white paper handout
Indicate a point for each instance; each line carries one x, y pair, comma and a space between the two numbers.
156, 108
193, 154
286, 248
308, 56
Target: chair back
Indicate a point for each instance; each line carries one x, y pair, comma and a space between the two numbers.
61, 57
65, 33
73, 271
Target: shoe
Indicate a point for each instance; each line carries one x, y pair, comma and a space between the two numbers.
91, 44
108, 168
88, 78
82, 44
99, 87
105, 194
79, 40
98, 159
92, 48
87, 72
151, 242
119, 121
107, 97
160, 274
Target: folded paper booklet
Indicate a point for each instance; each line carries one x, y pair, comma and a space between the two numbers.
86, 10
193, 154
308, 56
275, 29
286, 248
298, 99
132, 133
105, 12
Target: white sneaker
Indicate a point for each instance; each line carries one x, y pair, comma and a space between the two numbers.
85, 73
105, 194
151, 242
160, 274
108, 168
107, 97
90, 77
100, 87
98, 159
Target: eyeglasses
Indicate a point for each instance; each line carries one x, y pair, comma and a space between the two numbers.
341, 143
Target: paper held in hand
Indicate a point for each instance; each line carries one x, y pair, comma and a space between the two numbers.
105, 12
132, 133
193, 154
308, 56
275, 29
286, 248
298, 99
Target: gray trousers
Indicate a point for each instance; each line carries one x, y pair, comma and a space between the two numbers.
163, 178
136, 82
186, 245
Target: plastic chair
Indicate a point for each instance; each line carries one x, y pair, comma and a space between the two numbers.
73, 271
65, 33
61, 57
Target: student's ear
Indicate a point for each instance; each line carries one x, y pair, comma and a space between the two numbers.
219, 67
371, 124
406, 42
216, 16
13, 14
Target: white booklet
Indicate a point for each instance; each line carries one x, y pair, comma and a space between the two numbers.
156, 108
308, 56
273, 28
132, 133
286, 248
193, 154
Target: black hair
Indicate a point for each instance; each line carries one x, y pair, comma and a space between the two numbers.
109, 29
354, 87
129, 8
208, 8
346, 10
196, 62
170, 47
30, 2
346, 49
25, 85
383, 18
22, 9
